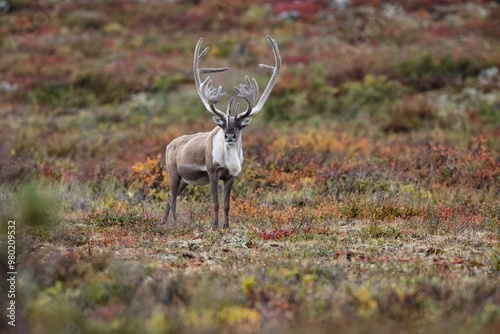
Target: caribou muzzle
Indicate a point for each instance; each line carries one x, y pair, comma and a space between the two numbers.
230, 138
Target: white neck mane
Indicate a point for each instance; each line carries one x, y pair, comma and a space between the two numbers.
227, 156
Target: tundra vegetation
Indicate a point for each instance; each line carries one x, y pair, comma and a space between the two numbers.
368, 199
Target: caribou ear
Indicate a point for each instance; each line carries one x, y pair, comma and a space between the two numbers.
219, 121
244, 122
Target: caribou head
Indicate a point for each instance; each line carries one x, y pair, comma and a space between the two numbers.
206, 158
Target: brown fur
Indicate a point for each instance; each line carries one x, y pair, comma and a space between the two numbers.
217, 155
189, 160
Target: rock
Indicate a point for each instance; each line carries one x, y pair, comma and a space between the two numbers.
294, 10
340, 4
488, 80
8, 87
488, 75
4, 6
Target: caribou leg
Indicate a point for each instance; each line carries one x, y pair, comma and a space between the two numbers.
228, 184
214, 190
177, 185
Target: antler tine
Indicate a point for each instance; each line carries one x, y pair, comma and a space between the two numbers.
248, 92
253, 87
237, 111
209, 95
229, 106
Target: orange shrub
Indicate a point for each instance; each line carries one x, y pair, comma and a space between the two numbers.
151, 175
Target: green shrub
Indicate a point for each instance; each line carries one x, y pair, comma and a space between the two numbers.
106, 87
369, 94
38, 207
430, 72
376, 231
53, 94
494, 257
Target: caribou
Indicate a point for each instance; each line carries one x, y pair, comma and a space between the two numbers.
208, 157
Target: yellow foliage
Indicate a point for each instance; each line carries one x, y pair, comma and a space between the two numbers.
307, 181
370, 80
215, 50
247, 284
366, 302
323, 140
156, 323
137, 41
151, 174
241, 316
308, 279
198, 320
113, 27
288, 273
247, 208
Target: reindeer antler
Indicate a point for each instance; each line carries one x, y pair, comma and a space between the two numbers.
250, 91
209, 95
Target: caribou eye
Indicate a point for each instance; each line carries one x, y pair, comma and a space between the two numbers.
219, 121
244, 122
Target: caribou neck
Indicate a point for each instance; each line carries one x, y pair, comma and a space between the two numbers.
229, 156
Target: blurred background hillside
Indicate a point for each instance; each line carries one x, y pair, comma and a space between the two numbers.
102, 74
